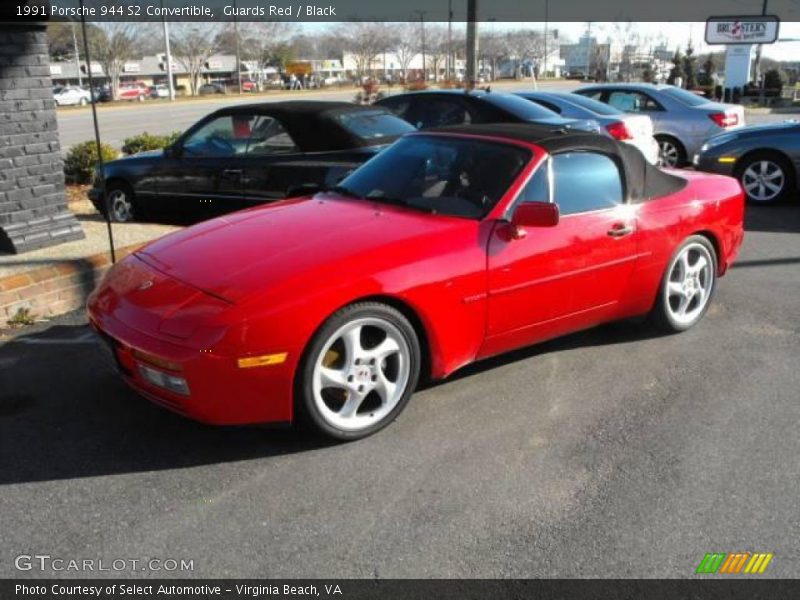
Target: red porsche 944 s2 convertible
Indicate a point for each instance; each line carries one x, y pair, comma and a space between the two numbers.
450, 246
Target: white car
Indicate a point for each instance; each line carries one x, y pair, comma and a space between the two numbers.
71, 95
636, 130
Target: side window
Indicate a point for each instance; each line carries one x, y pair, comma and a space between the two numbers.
269, 137
633, 102
538, 188
437, 113
398, 106
585, 181
224, 136
549, 105
594, 95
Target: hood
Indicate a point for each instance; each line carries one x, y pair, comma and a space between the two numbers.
291, 242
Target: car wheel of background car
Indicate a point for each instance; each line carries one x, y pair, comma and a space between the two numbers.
359, 371
670, 151
84, 102
121, 202
140, 98
766, 177
687, 286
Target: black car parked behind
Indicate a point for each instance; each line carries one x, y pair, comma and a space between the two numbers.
245, 155
457, 107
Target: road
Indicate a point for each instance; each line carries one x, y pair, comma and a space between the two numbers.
120, 122
610, 453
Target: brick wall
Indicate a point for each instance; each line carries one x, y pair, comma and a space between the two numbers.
54, 289
33, 210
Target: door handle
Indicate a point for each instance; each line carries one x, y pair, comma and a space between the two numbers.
620, 230
231, 172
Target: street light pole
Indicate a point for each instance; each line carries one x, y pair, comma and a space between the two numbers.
238, 47
77, 55
421, 14
757, 67
546, 19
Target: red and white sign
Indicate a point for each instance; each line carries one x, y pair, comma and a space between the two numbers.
742, 30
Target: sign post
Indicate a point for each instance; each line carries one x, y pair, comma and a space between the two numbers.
740, 34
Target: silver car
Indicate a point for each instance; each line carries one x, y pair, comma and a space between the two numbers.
636, 130
682, 120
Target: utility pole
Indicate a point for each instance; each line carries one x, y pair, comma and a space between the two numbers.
168, 56
421, 14
472, 43
450, 61
757, 66
77, 55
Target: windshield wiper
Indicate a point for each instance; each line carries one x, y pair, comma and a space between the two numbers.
401, 202
344, 191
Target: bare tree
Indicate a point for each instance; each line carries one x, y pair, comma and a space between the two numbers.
365, 41
626, 37
525, 46
112, 48
193, 44
405, 45
436, 46
259, 42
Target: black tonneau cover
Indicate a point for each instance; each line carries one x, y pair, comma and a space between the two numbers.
644, 181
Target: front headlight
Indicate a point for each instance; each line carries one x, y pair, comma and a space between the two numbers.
717, 140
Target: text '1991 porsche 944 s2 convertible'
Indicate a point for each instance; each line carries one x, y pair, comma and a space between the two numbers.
450, 246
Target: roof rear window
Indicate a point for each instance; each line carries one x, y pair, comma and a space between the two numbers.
683, 96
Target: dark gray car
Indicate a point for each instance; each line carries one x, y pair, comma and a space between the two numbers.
764, 158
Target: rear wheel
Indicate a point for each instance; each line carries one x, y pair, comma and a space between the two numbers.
84, 102
359, 371
766, 177
670, 151
687, 286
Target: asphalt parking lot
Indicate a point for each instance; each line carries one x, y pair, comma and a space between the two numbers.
610, 453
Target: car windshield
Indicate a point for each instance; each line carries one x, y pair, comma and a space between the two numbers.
439, 174
594, 106
373, 124
683, 96
519, 107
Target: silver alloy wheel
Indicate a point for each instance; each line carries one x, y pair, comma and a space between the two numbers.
121, 208
763, 180
361, 373
690, 283
668, 154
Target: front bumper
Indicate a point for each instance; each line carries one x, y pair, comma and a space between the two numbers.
219, 391
711, 164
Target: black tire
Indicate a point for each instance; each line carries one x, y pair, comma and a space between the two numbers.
680, 151
306, 407
662, 315
789, 180
113, 189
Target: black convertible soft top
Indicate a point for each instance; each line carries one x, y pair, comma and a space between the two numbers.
644, 181
311, 123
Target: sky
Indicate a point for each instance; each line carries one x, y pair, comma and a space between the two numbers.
675, 34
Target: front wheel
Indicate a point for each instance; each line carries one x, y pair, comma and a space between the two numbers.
121, 203
765, 177
359, 371
687, 286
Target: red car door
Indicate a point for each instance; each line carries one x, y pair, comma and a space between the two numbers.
572, 275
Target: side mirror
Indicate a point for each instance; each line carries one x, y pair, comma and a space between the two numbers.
304, 189
535, 214
172, 151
